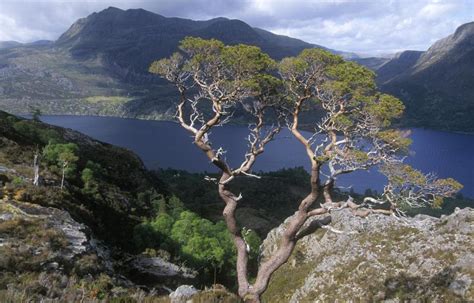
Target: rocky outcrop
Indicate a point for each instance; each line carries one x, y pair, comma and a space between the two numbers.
379, 258
48, 255
71, 234
157, 273
159, 267
189, 294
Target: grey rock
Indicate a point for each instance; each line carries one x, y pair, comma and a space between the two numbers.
51, 266
381, 258
4, 169
159, 267
74, 232
461, 285
182, 294
6, 216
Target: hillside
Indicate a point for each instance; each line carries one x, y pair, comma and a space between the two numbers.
119, 232
90, 240
100, 236
9, 44
381, 259
100, 64
114, 196
437, 86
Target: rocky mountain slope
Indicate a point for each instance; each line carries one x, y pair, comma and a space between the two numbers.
379, 259
47, 255
49, 247
437, 86
76, 244
83, 242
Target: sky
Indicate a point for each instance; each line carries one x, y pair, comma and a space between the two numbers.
367, 27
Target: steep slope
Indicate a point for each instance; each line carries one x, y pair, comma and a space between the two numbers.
111, 207
437, 86
49, 236
399, 64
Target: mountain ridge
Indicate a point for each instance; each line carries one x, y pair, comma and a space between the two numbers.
437, 85
146, 35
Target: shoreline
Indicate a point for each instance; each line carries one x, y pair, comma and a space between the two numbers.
304, 127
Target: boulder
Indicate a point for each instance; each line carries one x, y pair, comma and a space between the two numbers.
182, 294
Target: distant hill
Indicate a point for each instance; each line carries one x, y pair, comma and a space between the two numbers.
9, 44
373, 63
12, 44
99, 65
437, 86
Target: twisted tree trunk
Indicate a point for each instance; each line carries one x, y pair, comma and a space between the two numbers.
289, 238
327, 191
230, 201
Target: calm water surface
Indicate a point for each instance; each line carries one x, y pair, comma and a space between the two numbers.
167, 145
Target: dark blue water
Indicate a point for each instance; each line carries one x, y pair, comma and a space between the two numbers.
167, 145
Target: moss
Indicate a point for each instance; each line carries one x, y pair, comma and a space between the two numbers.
87, 264
122, 300
215, 296
446, 256
290, 276
107, 99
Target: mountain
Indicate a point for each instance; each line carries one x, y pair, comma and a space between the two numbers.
133, 38
99, 65
437, 86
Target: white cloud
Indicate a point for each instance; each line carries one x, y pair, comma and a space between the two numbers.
11, 30
436, 10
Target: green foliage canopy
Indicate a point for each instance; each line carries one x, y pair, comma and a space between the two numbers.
61, 156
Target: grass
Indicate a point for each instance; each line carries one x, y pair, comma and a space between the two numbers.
116, 100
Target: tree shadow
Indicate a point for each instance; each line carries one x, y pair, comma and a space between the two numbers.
313, 226
406, 287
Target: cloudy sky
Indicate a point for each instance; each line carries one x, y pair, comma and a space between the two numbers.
366, 26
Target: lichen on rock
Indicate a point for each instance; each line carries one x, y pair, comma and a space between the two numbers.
379, 258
